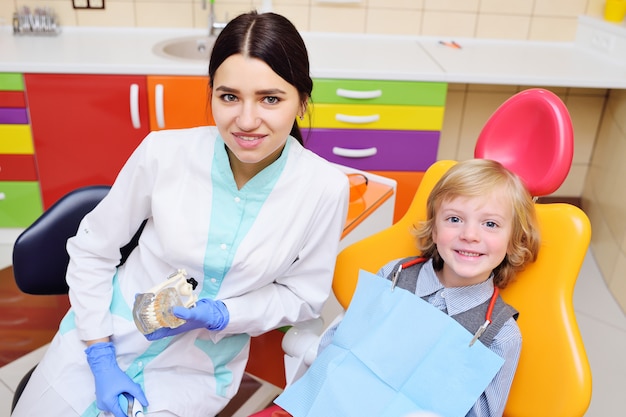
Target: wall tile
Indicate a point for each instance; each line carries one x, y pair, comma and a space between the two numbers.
396, 4
617, 282
507, 7
393, 22
604, 197
298, 14
278, 3
553, 28
617, 106
7, 8
449, 140
598, 92
605, 251
452, 5
585, 112
571, 8
170, 14
118, 13
338, 19
552, 20
437, 23
574, 182
498, 26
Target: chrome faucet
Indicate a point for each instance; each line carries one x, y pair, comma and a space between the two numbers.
215, 27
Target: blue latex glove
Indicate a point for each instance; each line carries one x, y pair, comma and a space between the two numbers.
207, 314
111, 381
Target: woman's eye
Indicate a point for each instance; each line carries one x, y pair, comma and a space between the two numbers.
228, 97
271, 100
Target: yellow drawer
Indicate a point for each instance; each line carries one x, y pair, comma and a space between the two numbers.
355, 116
16, 139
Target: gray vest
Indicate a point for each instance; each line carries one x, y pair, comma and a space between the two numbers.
471, 319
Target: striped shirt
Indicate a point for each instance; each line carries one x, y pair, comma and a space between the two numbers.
452, 301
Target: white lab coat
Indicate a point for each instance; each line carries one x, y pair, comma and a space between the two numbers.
267, 251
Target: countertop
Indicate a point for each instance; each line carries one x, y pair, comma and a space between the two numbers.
589, 62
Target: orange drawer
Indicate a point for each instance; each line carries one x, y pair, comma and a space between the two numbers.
407, 184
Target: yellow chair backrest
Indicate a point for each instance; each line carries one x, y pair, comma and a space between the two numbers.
553, 377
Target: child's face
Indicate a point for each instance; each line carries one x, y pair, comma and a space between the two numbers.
472, 236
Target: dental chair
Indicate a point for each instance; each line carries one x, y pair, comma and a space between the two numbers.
39, 256
531, 134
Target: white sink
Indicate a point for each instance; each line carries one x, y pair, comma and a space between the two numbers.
196, 48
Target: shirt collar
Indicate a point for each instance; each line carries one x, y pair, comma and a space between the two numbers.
457, 299
266, 178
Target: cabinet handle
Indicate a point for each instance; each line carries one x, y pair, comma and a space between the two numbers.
354, 153
359, 95
15, 341
134, 106
13, 321
158, 105
357, 120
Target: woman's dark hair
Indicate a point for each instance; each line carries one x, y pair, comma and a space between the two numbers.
274, 40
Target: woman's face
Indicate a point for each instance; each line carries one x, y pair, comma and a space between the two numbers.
472, 235
254, 110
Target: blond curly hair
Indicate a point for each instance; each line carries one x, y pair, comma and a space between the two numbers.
475, 178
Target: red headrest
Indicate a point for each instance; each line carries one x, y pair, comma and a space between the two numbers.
531, 134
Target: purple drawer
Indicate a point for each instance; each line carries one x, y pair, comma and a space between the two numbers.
13, 116
386, 150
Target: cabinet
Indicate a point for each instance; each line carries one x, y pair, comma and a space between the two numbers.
391, 128
84, 127
26, 321
20, 201
179, 101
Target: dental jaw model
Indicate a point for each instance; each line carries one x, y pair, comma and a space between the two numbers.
153, 310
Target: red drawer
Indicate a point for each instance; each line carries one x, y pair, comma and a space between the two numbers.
17, 168
369, 150
12, 99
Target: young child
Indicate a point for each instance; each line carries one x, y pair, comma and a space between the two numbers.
480, 230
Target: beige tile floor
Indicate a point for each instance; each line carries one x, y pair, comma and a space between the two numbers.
602, 323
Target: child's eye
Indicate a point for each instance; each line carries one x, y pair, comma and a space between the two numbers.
271, 100
491, 224
454, 219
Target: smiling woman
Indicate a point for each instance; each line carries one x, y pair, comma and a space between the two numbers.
242, 207
255, 118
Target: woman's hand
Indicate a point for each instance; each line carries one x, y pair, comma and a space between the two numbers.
111, 381
207, 314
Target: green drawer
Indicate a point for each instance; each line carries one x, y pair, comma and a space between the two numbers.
10, 81
379, 92
20, 203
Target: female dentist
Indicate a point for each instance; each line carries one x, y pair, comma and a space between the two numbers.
242, 207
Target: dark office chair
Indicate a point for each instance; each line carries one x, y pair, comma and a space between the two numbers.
46, 239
